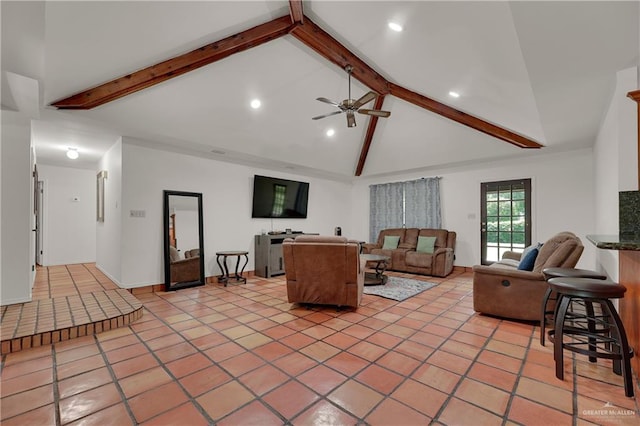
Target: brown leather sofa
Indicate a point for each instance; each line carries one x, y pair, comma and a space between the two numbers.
323, 270
502, 290
192, 253
405, 258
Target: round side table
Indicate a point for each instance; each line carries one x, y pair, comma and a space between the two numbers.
224, 278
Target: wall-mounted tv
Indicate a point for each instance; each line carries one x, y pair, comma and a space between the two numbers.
279, 198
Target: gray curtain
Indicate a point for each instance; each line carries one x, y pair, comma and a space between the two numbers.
412, 204
386, 208
422, 203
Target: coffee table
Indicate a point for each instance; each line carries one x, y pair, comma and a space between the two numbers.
378, 277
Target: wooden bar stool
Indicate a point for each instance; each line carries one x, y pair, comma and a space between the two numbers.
570, 332
547, 315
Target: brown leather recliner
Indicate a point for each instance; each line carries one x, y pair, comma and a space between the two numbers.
501, 289
323, 270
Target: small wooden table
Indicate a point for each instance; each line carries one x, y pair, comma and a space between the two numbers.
377, 278
224, 278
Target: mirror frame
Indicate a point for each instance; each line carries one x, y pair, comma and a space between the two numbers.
167, 263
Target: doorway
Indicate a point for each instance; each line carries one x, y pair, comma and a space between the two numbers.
39, 203
505, 218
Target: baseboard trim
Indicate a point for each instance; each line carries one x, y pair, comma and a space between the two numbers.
157, 288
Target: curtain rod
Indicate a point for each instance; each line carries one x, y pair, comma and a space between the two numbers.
405, 181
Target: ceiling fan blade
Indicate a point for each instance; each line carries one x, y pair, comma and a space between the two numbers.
376, 112
365, 99
351, 119
328, 101
326, 115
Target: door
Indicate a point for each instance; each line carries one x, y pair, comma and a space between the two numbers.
505, 218
39, 200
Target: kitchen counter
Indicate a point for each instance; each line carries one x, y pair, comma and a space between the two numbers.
615, 242
629, 276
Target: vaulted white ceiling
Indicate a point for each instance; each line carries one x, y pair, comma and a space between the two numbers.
545, 70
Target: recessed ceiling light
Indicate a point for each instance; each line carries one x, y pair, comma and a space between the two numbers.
454, 94
255, 104
72, 153
331, 132
395, 26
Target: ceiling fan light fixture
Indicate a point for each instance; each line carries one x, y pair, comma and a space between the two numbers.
351, 119
351, 106
72, 153
395, 26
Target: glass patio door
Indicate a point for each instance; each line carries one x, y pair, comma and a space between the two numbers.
505, 218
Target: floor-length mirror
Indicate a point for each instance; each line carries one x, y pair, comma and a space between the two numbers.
183, 240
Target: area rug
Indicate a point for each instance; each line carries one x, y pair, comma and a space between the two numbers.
398, 288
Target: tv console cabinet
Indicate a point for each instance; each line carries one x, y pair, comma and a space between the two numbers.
268, 258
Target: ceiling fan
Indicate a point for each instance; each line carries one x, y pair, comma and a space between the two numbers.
350, 106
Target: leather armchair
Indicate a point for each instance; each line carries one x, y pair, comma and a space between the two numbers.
503, 290
323, 270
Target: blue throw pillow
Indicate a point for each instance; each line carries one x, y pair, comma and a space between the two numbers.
527, 262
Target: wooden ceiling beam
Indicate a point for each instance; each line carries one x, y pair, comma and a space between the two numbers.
462, 117
179, 65
331, 49
368, 138
297, 15
314, 37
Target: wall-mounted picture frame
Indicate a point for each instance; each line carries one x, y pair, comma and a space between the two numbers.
35, 189
100, 178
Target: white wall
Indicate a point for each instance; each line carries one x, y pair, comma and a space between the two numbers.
109, 233
16, 205
69, 212
226, 190
562, 187
615, 164
627, 120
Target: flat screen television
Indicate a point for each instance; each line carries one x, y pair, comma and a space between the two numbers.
279, 198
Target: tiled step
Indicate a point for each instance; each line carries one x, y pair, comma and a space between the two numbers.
46, 321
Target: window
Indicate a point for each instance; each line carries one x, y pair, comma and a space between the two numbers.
411, 204
279, 192
506, 218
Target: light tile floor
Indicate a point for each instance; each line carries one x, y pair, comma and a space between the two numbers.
242, 355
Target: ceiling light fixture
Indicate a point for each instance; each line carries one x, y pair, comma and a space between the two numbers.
395, 26
331, 132
72, 153
255, 104
454, 94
